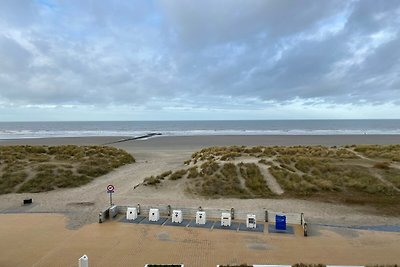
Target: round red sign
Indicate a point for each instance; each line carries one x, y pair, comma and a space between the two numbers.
110, 187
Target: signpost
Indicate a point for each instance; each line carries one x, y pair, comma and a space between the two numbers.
110, 190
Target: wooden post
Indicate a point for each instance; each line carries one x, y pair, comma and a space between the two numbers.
305, 229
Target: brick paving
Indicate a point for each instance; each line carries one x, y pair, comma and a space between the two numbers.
42, 240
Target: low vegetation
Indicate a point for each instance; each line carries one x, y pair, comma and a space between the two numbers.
390, 152
193, 172
320, 175
154, 180
333, 174
254, 180
178, 174
216, 181
382, 165
392, 175
45, 168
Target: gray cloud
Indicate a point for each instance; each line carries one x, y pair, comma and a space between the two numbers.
208, 22
234, 53
19, 13
14, 57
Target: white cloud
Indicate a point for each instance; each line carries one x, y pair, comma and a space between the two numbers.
192, 57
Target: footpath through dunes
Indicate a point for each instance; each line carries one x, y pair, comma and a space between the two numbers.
385, 160
271, 181
318, 173
159, 155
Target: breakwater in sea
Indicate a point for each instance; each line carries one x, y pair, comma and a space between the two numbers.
133, 129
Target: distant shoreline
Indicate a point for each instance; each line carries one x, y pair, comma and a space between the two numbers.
196, 142
131, 129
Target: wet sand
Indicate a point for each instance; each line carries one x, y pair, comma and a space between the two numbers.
196, 142
43, 240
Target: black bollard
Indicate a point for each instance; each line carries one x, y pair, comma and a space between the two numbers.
305, 229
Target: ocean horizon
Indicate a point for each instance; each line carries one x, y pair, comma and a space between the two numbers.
46, 129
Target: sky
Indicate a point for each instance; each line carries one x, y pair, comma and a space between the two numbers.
199, 60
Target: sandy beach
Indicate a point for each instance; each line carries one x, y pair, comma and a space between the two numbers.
195, 142
260, 114
160, 154
80, 206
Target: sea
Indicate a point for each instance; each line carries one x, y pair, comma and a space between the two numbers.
19, 130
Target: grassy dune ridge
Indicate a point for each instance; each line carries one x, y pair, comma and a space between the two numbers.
45, 168
363, 174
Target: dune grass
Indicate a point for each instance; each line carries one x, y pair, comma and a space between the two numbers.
320, 176
254, 180
223, 181
178, 174
392, 175
193, 172
232, 152
45, 168
390, 152
156, 180
333, 174
152, 180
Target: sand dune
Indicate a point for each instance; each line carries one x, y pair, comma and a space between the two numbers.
159, 154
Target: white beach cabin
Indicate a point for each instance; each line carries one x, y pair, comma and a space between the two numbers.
131, 213
200, 217
83, 261
154, 215
226, 219
251, 221
177, 216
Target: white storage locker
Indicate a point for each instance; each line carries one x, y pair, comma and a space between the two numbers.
154, 215
131, 213
225, 219
251, 221
177, 216
200, 217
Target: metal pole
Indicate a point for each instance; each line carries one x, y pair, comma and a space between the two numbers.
111, 199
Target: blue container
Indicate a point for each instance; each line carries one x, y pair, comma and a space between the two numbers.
280, 222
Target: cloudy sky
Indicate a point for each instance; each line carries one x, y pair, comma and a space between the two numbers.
209, 59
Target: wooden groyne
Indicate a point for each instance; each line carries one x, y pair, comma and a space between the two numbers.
134, 138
